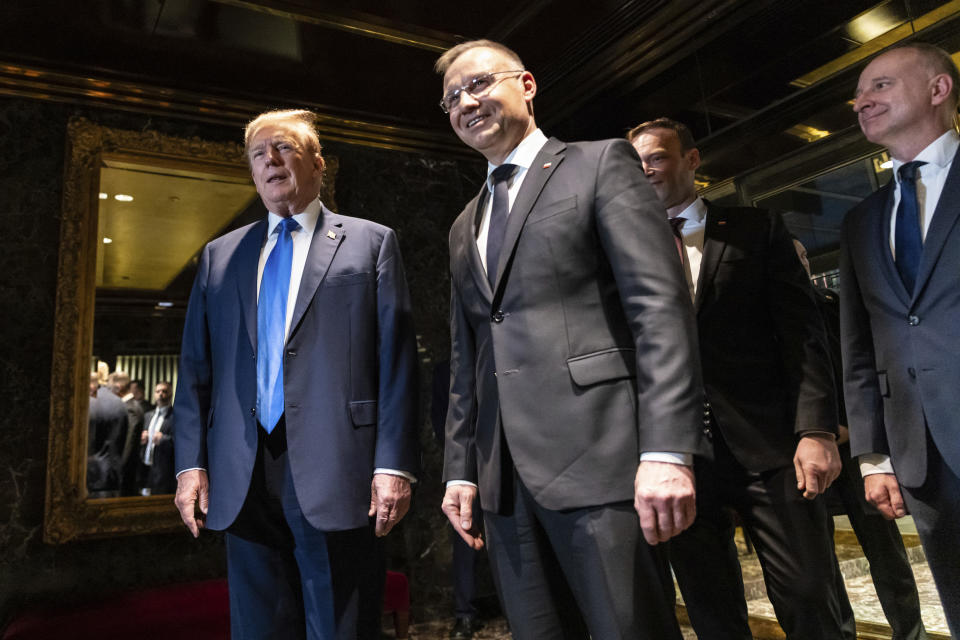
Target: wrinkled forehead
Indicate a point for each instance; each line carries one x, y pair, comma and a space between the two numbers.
472, 63
891, 64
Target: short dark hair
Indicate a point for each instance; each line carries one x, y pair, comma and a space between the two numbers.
443, 62
937, 60
683, 132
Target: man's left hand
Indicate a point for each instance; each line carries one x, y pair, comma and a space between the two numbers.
817, 463
389, 500
665, 499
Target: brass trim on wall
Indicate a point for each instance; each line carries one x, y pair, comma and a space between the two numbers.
18, 80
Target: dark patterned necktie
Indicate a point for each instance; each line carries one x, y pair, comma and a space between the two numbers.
498, 218
908, 240
676, 224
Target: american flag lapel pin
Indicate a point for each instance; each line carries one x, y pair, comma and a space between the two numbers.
331, 235
547, 165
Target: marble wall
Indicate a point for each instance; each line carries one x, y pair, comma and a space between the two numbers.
418, 195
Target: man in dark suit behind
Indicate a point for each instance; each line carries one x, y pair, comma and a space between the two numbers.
575, 387
295, 412
156, 444
879, 538
900, 309
771, 406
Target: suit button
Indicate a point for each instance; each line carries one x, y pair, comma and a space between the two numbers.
913, 321
497, 316
253, 411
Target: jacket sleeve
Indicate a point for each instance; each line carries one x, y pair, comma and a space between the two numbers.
638, 244
191, 411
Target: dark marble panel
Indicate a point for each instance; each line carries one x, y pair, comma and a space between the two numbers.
418, 195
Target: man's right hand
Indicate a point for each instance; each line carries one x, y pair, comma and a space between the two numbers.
883, 491
193, 498
458, 507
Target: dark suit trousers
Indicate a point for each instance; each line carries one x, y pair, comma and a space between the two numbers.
565, 575
289, 580
883, 547
935, 508
791, 539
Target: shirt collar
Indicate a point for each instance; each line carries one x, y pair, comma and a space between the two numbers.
695, 213
307, 219
523, 156
938, 153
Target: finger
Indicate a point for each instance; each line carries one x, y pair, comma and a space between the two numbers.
683, 513
648, 522
798, 469
665, 522
204, 498
384, 523
812, 485
466, 512
897, 506
186, 508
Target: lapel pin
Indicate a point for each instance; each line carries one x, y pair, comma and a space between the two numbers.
331, 235
719, 222
547, 165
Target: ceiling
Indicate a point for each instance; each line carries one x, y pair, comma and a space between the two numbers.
754, 79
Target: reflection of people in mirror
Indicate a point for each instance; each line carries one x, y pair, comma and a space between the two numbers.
156, 445
107, 419
296, 399
129, 462
137, 389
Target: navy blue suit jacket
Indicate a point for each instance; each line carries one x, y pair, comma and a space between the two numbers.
901, 350
350, 376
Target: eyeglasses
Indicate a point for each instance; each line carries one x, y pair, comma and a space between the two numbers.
476, 88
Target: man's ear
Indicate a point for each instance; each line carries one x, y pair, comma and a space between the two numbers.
693, 159
529, 85
940, 87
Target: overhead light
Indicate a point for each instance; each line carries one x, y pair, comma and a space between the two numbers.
103, 196
165, 304
107, 240
122, 197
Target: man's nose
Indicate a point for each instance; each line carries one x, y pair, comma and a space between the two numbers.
466, 101
861, 102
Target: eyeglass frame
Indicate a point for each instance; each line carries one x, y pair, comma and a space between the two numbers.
455, 94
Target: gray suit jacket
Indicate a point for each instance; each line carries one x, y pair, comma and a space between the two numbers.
901, 352
586, 346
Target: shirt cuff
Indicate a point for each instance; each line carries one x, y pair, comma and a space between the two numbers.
686, 459
453, 483
871, 463
818, 432
394, 472
192, 469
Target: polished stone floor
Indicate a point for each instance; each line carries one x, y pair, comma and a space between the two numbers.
871, 623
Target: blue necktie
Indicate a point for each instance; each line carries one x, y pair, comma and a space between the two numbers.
908, 241
272, 325
498, 218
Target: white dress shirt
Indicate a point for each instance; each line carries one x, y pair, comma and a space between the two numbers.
931, 177
693, 234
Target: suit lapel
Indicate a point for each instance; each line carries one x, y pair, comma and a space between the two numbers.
543, 166
944, 220
468, 241
248, 259
327, 236
713, 248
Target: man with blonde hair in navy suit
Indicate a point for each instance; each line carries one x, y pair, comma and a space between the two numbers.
296, 400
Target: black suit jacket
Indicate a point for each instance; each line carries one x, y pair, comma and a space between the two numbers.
159, 476
901, 351
766, 368
585, 346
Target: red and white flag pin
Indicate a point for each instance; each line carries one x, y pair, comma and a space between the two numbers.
547, 165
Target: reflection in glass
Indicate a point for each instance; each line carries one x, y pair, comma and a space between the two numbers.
153, 220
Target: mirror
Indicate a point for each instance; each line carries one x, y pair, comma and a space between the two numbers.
138, 207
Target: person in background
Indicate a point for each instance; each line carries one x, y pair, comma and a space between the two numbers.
770, 406
156, 445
